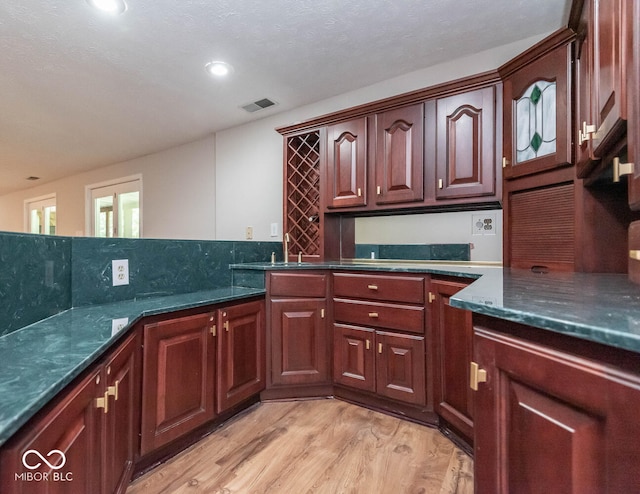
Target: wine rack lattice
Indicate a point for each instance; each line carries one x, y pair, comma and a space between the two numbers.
303, 194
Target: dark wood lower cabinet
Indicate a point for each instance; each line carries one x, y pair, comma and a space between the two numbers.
389, 364
94, 425
241, 354
178, 378
122, 374
553, 421
453, 347
299, 352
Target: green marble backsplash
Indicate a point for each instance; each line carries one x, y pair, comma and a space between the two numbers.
43, 275
35, 278
415, 252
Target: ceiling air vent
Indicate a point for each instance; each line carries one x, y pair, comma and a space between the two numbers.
258, 105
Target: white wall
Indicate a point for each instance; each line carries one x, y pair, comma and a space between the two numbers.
434, 228
178, 193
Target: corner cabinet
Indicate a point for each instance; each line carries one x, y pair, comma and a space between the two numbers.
95, 425
537, 115
297, 342
178, 378
549, 416
462, 144
241, 353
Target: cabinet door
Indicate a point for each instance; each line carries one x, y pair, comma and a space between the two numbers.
608, 84
72, 427
400, 367
299, 352
241, 353
584, 96
354, 357
122, 376
633, 130
400, 155
466, 144
552, 422
452, 334
537, 115
178, 378
346, 164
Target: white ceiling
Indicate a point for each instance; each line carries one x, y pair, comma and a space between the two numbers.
80, 89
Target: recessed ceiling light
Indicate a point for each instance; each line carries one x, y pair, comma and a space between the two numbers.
109, 6
218, 69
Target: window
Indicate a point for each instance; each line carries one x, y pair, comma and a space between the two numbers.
536, 121
115, 208
41, 215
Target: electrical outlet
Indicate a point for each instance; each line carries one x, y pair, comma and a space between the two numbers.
274, 229
120, 270
483, 224
118, 325
249, 233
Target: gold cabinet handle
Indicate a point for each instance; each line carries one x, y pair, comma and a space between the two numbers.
505, 162
378, 190
368, 345
213, 330
103, 402
432, 297
476, 376
113, 390
634, 254
321, 313
379, 347
372, 287
440, 183
620, 169
359, 192
584, 134
226, 326
373, 314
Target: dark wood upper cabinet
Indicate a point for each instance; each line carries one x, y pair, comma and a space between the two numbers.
537, 115
178, 378
465, 144
608, 79
241, 353
399, 167
633, 102
346, 164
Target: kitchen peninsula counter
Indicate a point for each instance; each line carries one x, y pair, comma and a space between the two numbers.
39, 360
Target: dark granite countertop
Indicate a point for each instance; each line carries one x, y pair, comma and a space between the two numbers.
603, 308
39, 360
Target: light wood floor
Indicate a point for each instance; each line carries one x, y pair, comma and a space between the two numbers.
317, 446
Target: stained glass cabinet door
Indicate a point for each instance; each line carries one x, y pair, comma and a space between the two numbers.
537, 115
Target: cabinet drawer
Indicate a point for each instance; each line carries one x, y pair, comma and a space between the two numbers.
409, 289
297, 285
392, 316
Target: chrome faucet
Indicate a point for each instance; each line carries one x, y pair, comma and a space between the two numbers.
286, 248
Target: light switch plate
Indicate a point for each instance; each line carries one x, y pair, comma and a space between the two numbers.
274, 229
120, 270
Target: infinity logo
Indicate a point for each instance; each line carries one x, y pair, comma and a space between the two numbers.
37, 453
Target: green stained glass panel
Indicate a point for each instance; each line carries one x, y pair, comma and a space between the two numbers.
535, 121
535, 95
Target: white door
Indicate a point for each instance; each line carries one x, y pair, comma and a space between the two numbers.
115, 210
41, 216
